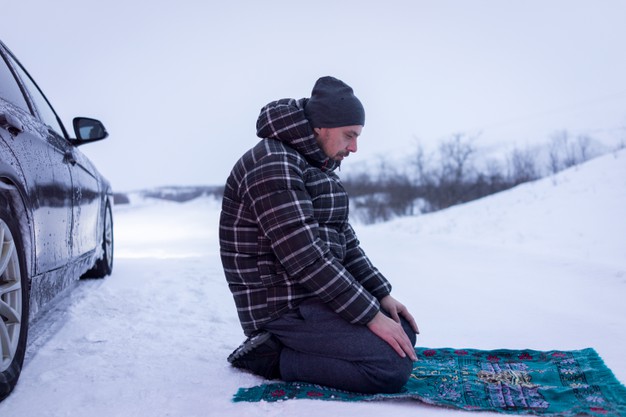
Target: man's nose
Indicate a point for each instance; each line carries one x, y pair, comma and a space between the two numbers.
352, 147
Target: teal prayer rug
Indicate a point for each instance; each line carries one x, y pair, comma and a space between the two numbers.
552, 383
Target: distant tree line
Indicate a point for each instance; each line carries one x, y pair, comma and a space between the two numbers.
179, 194
453, 174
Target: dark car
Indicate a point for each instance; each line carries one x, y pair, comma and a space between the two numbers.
56, 224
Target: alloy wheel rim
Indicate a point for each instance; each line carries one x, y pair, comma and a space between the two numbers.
10, 297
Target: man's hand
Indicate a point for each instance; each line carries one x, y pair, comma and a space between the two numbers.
395, 309
390, 329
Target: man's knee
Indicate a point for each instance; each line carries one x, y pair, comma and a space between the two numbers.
408, 330
391, 376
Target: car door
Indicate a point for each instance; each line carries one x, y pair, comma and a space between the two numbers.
86, 202
42, 156
46, 177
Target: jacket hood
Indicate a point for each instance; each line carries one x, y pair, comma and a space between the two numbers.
284, 120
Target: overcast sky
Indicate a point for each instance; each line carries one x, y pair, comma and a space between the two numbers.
179, 84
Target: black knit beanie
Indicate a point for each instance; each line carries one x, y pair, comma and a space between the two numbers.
333, 104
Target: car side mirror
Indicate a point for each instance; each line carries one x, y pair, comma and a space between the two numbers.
88, 130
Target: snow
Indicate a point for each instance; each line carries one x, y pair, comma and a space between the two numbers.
541, 266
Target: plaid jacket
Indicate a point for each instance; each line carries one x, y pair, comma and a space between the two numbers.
284, 231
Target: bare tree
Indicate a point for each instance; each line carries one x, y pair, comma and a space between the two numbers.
564, 152
456, 157
522, 166
419, 163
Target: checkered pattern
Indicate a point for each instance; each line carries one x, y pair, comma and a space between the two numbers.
284, 231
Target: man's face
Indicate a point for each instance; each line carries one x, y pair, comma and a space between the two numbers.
338, 142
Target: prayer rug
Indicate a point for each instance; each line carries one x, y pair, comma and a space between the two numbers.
552, 383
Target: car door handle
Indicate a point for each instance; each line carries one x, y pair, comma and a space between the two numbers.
11, 123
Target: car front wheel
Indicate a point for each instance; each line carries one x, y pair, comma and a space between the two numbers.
13, 304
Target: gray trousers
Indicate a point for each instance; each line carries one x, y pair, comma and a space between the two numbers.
322, 348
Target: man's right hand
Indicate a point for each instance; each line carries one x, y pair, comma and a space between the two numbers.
392, 333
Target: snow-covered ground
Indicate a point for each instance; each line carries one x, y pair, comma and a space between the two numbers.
542, 266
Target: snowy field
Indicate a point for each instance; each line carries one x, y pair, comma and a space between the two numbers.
541, 266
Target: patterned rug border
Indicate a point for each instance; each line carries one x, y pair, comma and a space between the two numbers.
589, 386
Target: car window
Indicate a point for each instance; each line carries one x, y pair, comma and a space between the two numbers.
9, 88
46, 113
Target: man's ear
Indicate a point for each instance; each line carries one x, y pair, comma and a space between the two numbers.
319, 131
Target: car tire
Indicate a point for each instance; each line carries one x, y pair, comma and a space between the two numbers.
104, 265
14, 302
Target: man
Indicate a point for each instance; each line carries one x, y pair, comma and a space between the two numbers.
313, 306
